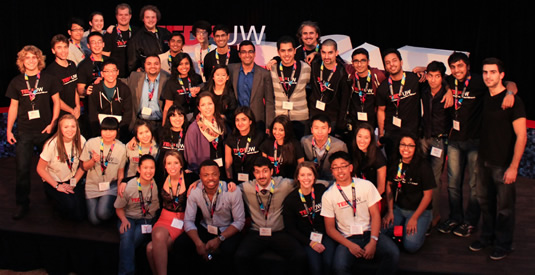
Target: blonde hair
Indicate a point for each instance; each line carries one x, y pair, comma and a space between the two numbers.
21, 55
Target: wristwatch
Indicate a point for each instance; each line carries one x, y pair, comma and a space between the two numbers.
221, 238
57, 185
375, 238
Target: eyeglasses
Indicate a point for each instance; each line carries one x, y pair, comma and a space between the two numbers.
359, 61
403, 145
343, 167
246, 52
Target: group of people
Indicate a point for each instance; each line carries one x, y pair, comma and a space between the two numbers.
330, 161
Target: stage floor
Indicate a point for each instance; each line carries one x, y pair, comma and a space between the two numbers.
43, 230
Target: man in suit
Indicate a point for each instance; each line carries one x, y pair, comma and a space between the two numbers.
146, 89
253, 86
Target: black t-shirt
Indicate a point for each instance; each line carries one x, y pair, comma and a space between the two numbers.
210, 61
285, 168
89, 70
409, 104
116, 43
296, 220
327, 89
369, 171
498, 137
362, 101
179, 93
469, 108
69, 78
301, 53
47, 87
418, 178
244, 152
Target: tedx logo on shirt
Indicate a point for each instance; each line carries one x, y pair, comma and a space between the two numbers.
404, 94
344, 204
70, 79
26, 92
135, 200
251, 150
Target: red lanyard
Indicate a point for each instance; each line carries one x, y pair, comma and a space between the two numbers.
352, 203
144, 206
32, 92
396, 97
324, 85
310, 214
104, 162
265, 209
287, 85
459, 96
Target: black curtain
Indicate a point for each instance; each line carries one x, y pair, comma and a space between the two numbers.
505, 30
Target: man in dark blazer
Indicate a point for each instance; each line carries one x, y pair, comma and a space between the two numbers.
147, 87
253, 86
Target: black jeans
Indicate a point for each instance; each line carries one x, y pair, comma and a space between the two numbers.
24, 150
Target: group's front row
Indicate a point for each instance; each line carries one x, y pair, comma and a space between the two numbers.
332, 224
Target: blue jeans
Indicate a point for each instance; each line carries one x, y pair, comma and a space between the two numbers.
412, 243
321, 263
462, 155
128, 242
437, 164
386, 253
497, 201
24, 153
100, 209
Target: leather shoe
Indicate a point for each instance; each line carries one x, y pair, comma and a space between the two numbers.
20, 212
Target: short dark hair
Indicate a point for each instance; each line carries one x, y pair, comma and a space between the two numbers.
95, 34
108, 62
330, 42
221, 27
263, 161
203, 25
173, 34
436, 66
320, 117
109, 123
123, 6
361, 51
77, 21
91, 15
207, 163
246, 43
58, 38
146, 157
458, 56
151, 8
394, 51
494, 61
284, 40
340, 155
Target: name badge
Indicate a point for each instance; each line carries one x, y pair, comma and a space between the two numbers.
265, 231
362, 116
456, 125
72, 182
104, 186
316, 237
146, 228
320, 105
212, 230
436, 152
287, 105
396, 121
356, 229
243, 177
219, 162
33, 114
176, 223
146, 111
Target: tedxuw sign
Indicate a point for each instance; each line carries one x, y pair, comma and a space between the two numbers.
236, 36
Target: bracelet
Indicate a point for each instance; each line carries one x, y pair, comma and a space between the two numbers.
509, 93
313, 244
375, 238
57, 185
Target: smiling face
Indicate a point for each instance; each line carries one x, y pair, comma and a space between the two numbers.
110, 73
201, 35
243, 123
320, 131
492, 76
287, 54
220, 77
146, 170
407, 147
123, 17
393, 64
183, 68
221, 38
76, 32
97, 23
263, 175
68, 129
177, 120
108, 136
30, 63
150, 18
278, 132
206, 107
360, 63
144, 135
363, 139
209, 176
172, 165
247, 55
61, 50
96, 44
175, 44
459, 70
309, 36
152, 65
306, 178
341, 170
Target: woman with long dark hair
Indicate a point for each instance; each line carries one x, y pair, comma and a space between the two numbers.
409, 192
281, 148
183, 87
369, 163
221, 87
